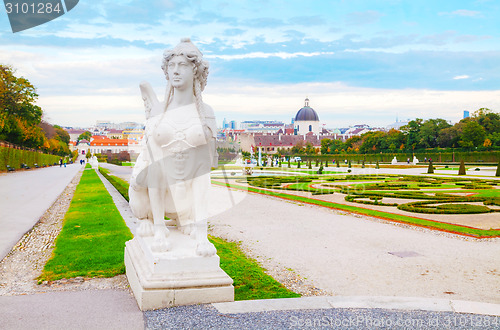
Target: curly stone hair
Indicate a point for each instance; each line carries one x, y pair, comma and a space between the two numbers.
200, 67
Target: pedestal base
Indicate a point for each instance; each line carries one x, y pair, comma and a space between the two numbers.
161, 280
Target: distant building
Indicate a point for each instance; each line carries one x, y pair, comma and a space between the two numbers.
466, 114
397, 125
102, 145
306, 120
74, 133
83, 147
114, 133
133, 134
271, 143
262, 126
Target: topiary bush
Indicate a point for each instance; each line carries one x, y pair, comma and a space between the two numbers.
461, 169
430, 169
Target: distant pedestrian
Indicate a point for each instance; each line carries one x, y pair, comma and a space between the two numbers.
60, 162
408, 160
65, 162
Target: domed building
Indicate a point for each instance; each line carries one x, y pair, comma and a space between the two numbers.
306, 120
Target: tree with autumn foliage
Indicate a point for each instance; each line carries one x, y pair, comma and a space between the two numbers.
19, 116
21, 120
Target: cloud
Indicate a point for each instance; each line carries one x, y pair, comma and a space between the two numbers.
307, 20
294, 34
462, 12
461, 77
263, 22
233, 32
282, 55
363, 17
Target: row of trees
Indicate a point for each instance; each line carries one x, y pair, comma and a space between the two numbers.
481, 130
21, 120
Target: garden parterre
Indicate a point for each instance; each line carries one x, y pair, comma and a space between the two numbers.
435, 200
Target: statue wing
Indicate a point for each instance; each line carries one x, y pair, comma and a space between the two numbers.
151, 102
212, 126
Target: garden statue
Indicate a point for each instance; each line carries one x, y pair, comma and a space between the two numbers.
415, 160
394, 161
171, 178
94, 162
172, 174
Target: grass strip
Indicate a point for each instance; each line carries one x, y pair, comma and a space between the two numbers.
92, 241
250, 280
442, 226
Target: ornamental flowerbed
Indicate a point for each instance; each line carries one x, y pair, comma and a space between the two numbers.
438, 197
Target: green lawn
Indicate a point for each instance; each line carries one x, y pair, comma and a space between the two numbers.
250, 280
92, 241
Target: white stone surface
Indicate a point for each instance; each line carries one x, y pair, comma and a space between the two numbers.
403, 303
168, 282
169, 266
94, 162
473, 307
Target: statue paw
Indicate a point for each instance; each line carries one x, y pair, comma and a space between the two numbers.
187, 229
205, 249
160, 245
160, 242
145, 228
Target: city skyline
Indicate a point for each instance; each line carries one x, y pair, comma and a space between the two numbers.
354, 60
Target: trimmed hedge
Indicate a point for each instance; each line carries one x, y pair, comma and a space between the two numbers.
437, 155
15, 157
118, 183
454, 206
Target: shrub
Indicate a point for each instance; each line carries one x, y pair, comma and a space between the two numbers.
498, 170
430, 169
461, 170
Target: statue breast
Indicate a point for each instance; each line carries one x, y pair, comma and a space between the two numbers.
180, 128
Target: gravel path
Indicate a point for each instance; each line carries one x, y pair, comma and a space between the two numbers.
345, 254
207, 317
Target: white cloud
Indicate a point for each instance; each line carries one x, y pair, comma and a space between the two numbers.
282, 55
465, 12
461, 77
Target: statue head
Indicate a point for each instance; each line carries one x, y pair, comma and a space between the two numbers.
187, 49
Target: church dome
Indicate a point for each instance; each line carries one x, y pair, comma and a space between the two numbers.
306, 113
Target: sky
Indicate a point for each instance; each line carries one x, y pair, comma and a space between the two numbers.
358, 61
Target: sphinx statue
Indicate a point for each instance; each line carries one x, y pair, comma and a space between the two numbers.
171, 177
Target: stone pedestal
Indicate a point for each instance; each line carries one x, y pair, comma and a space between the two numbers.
174, 278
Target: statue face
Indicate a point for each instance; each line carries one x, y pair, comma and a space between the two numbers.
180, 72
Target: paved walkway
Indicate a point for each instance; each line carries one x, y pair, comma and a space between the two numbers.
109, 309
25, 195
